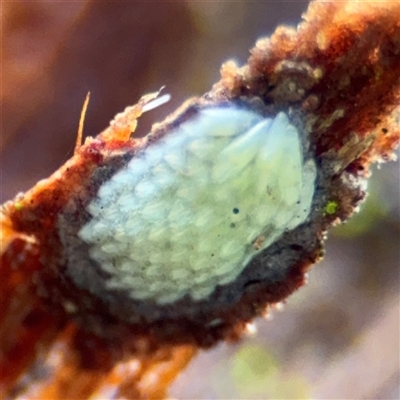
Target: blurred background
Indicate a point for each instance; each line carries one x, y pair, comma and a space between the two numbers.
336, 338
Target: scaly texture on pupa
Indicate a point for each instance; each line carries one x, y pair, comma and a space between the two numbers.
190, 211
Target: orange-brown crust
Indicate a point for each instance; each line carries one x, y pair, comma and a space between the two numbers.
341, 83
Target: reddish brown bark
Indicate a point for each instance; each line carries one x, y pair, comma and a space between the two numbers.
338, 74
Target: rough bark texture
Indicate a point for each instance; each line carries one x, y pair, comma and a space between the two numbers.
336, 75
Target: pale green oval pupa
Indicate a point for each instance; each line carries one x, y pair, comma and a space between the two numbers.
191, 211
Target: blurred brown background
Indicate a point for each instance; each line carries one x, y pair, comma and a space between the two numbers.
338, 337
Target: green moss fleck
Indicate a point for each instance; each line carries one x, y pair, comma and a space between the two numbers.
331, 207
